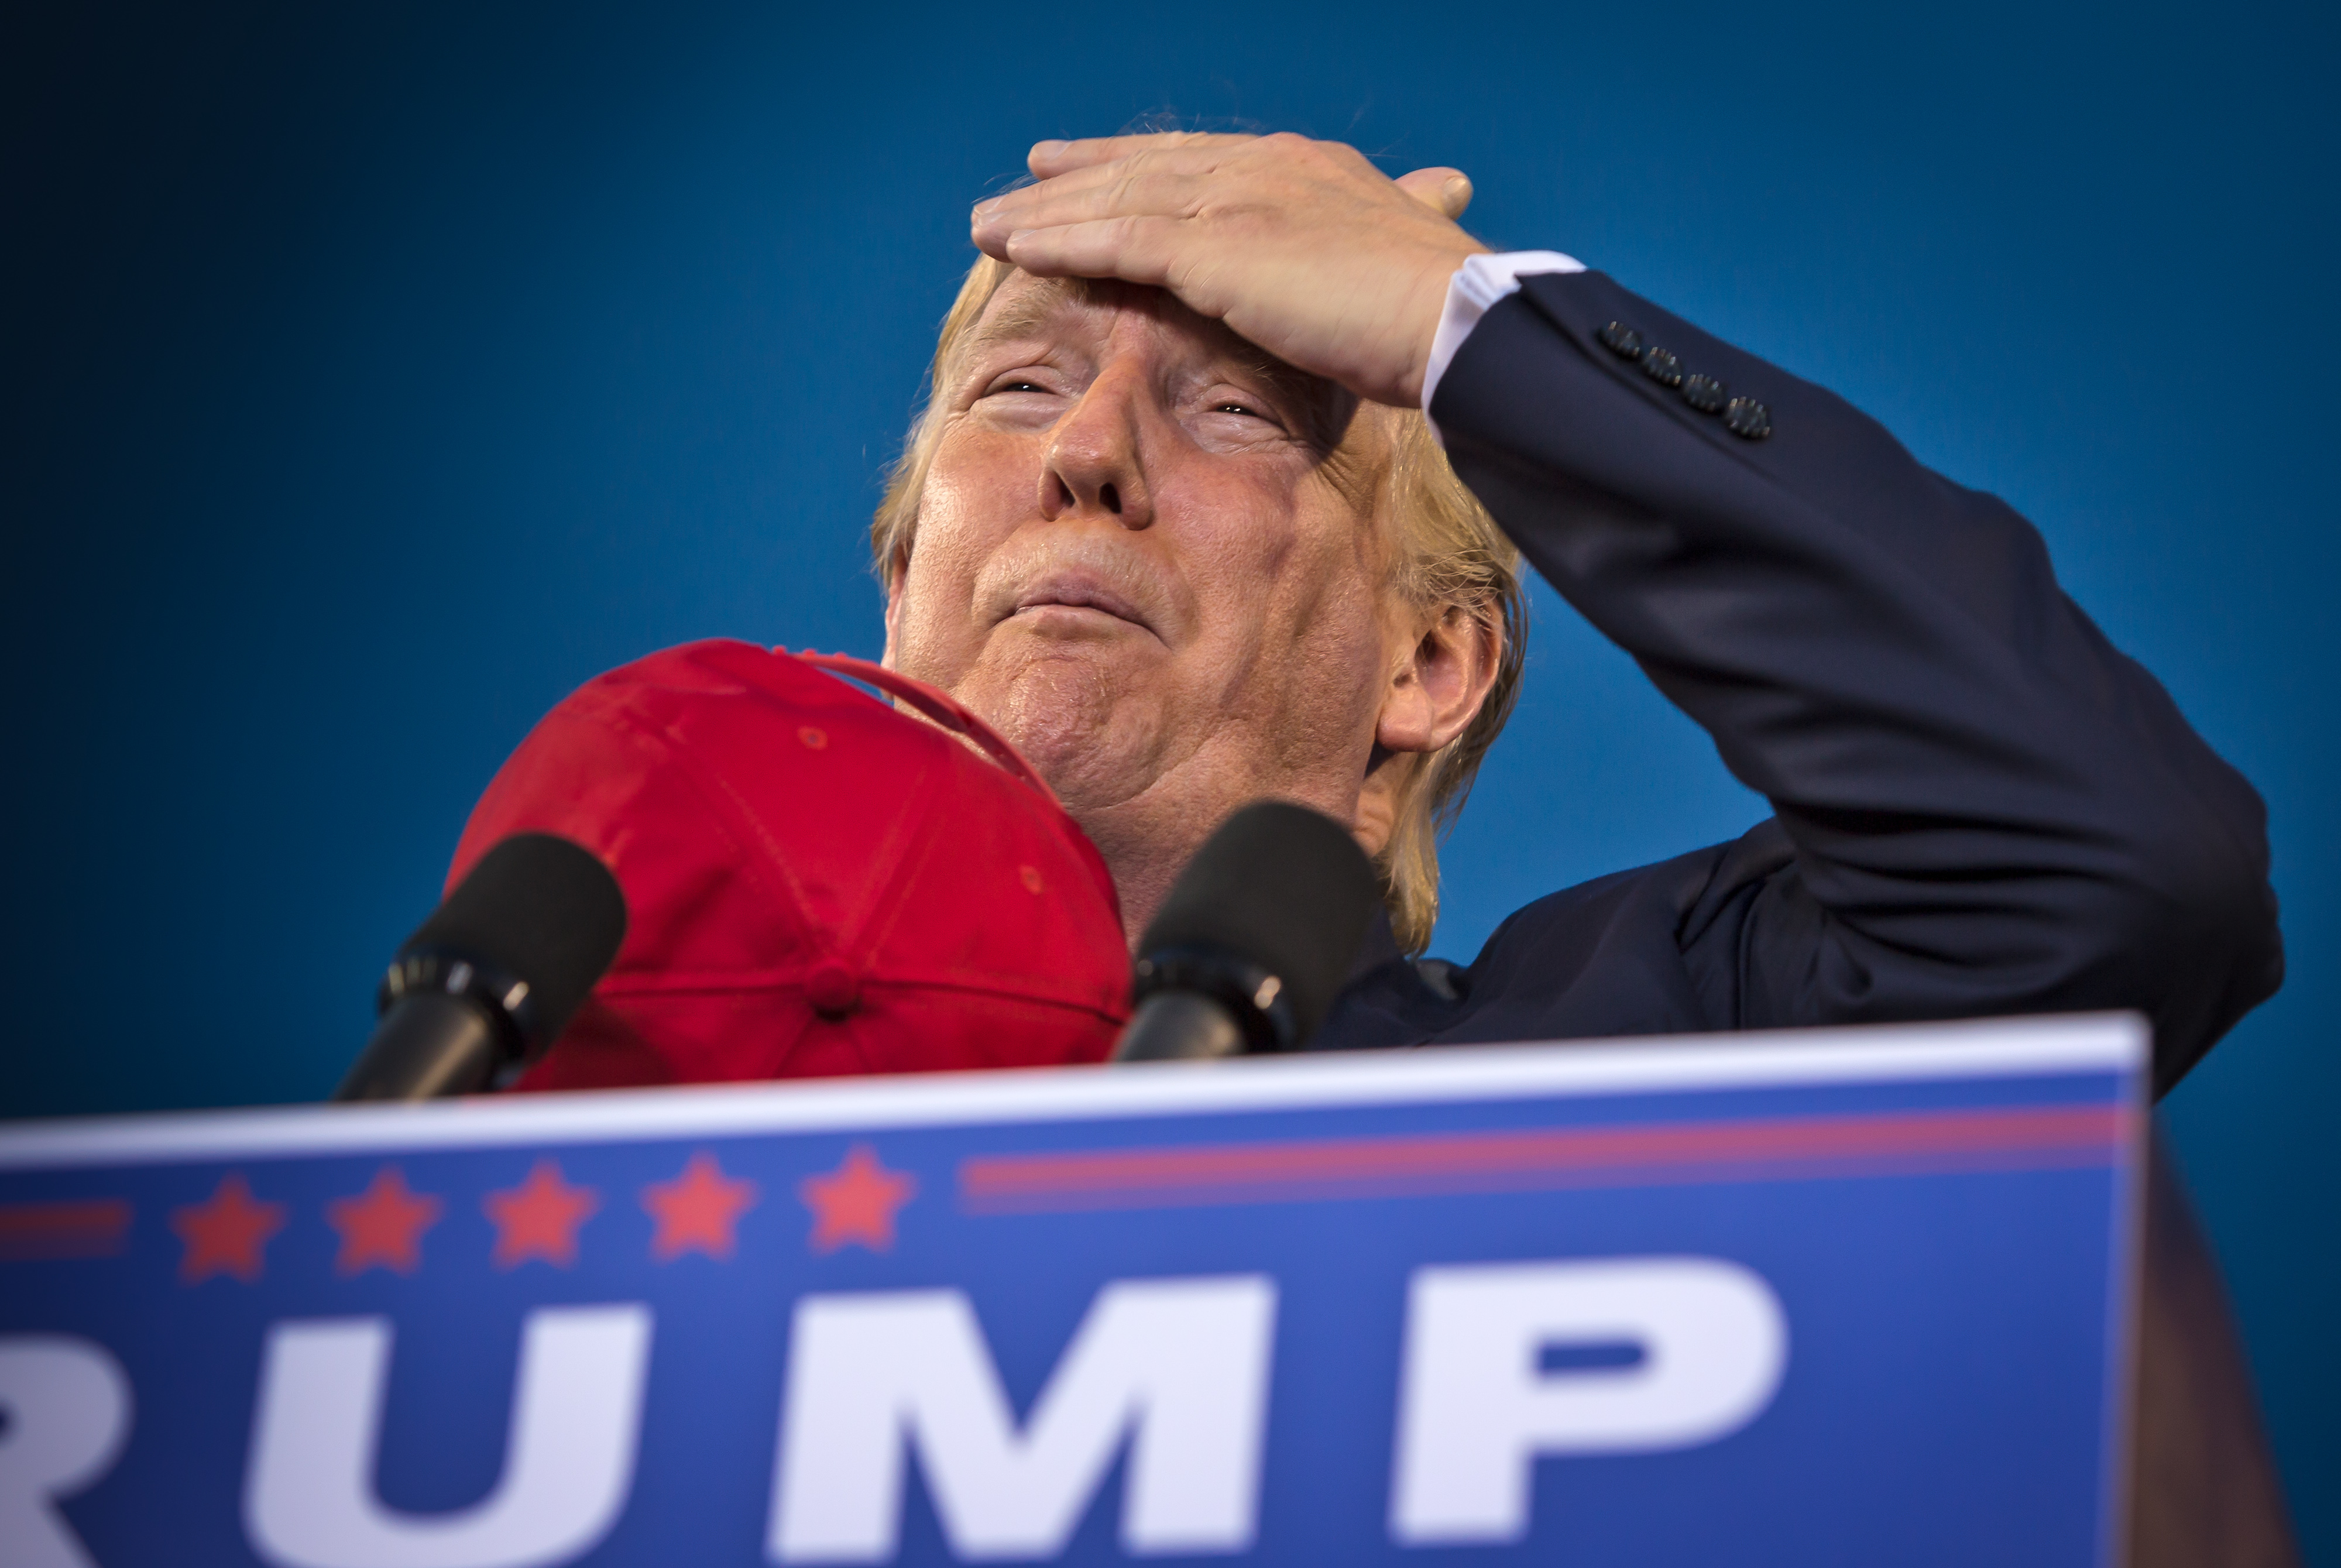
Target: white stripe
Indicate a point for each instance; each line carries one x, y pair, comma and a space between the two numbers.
2089, 1042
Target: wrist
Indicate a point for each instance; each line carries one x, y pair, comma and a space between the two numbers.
1426, 311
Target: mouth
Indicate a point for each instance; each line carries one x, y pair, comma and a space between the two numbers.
1076, 595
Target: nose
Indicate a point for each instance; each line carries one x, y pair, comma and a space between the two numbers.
1096, 464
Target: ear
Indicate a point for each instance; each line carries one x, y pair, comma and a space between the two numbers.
1435, 692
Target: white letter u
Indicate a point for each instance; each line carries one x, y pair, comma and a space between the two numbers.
569, 1461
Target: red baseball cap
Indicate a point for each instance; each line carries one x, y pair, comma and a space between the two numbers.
816, 884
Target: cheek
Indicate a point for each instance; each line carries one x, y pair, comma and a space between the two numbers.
1289, 575
1326, 625
1235, 534
1293, 640
983, 477
977, 493
1337, 637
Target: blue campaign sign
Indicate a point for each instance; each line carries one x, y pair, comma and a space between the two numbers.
1838, 1297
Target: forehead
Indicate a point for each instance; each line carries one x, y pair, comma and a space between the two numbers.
1090, 311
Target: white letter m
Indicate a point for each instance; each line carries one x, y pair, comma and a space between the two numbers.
1179, 1366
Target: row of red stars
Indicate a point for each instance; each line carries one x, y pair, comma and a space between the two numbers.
383, 1226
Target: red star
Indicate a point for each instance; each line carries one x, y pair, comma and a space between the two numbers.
856, 1201
539, 1218
224, 1233
382, 1225
697, 1209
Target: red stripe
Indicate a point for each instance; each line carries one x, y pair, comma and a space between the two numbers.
1907, 1142
91, 1228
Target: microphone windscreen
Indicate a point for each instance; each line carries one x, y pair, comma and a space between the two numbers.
1284, 886
542, 909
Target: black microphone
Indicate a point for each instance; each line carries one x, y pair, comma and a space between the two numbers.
490, 980
1255, 939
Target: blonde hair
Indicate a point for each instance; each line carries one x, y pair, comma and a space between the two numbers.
1449, 554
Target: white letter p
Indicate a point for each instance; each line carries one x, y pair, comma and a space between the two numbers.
1475, 1410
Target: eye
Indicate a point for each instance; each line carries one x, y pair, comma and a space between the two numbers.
1029, 399
1015, 383
1243, 409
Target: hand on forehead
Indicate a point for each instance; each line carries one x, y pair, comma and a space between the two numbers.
1302, 247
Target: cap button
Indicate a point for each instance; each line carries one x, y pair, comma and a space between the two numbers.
832, 989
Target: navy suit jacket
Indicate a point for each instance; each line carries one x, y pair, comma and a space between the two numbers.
1979, 804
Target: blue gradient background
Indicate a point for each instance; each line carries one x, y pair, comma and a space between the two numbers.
375, 376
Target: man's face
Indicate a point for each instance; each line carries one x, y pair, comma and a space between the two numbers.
1145, 554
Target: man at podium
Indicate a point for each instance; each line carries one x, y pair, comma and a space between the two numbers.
1233, 449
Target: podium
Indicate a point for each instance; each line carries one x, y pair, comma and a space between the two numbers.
1848, 1297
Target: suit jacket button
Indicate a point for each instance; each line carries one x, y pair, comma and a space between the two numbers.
1662, 367
1621, 340
1748, 419
1703, 392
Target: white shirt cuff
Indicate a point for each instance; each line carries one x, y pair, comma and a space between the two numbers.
1478, 285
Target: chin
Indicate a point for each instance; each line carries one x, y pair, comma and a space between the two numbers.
1083, 712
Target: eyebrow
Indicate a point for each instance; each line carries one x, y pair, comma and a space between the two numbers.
1024, 314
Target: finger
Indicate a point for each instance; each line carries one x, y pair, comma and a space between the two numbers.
1442, 189
1209, 157
1161, 181
1049, 159
1131, 187
1139, 250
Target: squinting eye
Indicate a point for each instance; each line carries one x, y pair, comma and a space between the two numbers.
1016, 386
1239, 408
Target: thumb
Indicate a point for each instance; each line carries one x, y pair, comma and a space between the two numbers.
1443, 190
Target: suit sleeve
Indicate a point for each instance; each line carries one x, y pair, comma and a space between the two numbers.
1992, 809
